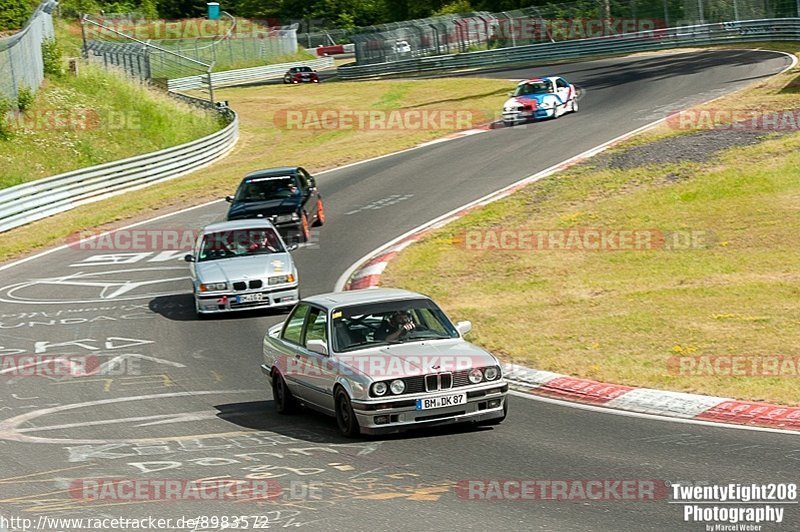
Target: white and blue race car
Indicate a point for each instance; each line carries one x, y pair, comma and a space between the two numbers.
538, 98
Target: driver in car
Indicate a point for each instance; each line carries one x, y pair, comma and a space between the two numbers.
398, 325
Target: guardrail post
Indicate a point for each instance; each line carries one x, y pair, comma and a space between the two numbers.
210, 86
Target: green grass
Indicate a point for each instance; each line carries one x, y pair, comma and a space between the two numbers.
121, 120
619, 316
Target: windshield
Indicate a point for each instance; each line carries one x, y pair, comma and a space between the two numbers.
534, 87
266, 188
244, 242
301, 69
385, 323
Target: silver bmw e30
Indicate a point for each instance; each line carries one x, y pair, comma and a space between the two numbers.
381, 361
242, 265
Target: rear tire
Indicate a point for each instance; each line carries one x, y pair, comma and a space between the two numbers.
285, 402
345, 417
305, 229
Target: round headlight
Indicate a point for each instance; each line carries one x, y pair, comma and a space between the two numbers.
397, 386
475, 376
490, 373
379, 388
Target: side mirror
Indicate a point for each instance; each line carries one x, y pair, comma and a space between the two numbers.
229, 199
188, 258
317, 346
463, 327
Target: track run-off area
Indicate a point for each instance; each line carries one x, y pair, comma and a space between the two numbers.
190, 403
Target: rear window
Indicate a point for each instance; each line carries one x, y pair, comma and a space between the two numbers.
266, 188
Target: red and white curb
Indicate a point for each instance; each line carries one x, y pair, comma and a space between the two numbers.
649, 401
366, 273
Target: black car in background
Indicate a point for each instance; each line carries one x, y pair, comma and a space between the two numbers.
287, 196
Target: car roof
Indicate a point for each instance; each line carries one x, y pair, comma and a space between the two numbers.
543, 78
357, 297
234, 225
269, 172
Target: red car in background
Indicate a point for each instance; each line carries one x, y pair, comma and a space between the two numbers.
302, 74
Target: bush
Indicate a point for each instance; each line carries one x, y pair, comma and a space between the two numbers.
51, 56
24, 98
5, 107
75, 8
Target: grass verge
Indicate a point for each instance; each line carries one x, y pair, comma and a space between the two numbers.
92, 118
264, 143
627, 316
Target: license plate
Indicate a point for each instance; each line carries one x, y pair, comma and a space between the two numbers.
250, 298
441, 401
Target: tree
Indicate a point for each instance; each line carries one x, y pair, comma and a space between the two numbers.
149, 8
15, 13
455, 7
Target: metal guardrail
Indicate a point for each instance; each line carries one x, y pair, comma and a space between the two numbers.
39, 199
785, 29
230, 78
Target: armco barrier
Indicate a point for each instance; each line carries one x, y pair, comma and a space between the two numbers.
230, 78
39, 199
785, 29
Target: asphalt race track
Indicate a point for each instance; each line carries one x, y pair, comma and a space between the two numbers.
190, 402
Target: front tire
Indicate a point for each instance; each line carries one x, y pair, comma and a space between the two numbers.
345, 417
574, 105
285, 402
320, 219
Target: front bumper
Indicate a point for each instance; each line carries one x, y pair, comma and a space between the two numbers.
525, 116
231, 301
484, 403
